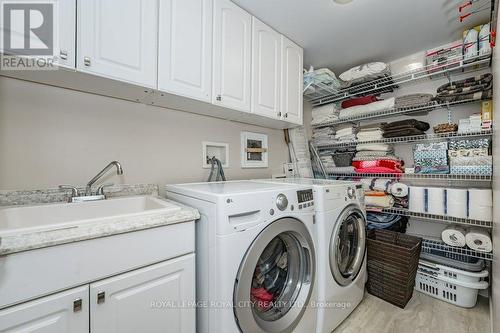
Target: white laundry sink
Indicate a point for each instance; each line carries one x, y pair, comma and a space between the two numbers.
28, 219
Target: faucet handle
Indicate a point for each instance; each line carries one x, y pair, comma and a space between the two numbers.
74, 190
100, 189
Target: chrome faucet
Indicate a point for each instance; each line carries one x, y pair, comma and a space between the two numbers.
99, 194
119, 171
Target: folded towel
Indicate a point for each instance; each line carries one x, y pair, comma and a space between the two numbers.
413, 100
374, 146
359, 101
371, 108
379, 201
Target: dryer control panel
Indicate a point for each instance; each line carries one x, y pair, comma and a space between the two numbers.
305, 198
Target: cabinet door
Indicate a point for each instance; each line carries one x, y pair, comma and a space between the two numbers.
266, 70
64, 312
151, 299
64, 24
291, 81
185, 48
232, 56
118, 39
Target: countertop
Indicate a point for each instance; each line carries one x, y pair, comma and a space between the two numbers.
23, 241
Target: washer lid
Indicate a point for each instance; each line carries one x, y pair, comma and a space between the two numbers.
347, 245
275, 279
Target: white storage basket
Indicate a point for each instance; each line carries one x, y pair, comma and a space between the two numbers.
449, 284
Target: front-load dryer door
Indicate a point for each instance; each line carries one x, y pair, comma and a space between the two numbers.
275, 279
347, 245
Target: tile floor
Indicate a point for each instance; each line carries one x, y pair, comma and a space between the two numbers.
423, 314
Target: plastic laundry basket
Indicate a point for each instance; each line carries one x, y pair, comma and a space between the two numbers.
449, 284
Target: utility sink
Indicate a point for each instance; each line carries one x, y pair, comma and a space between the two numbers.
29, 219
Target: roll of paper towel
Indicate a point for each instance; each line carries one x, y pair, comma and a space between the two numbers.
482, 213
399, 190
479, 240
480, 197
456, 202
417, 199
436, 200
454, 236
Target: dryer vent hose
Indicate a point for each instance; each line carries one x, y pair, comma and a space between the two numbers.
216, 171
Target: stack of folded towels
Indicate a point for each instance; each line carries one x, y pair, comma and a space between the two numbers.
370, 133
323, 136
345, 133
325, 113
406, 127
376, 158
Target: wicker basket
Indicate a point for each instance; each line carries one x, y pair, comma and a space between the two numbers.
392, 265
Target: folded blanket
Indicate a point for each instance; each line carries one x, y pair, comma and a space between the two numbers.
421, 125
359, 101
371, 108
374, 153
374, 146
403, 132
371, 127
378, 170
473, 88
370, 135
384, 201
413, 100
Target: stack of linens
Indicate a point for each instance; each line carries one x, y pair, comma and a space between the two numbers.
370, 132
345, 133
376, 158
323, 136
367, 109
407, 127
325, 113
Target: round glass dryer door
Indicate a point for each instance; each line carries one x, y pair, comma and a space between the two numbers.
275, 278
347, 245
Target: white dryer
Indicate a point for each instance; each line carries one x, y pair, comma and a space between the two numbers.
341, 251
256, 261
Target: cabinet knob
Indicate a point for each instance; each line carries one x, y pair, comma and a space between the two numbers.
77, 305
101, 297
219, 98
63, 54
86, 61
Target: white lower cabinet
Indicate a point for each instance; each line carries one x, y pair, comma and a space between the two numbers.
153, 299
64, 312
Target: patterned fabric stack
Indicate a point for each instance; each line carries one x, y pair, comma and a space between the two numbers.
470, 157
431, 158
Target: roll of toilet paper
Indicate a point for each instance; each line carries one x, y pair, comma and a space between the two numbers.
456, 202
481, 197
417, 199
436, 200
454, 236
482, 213
399, 190
479, 240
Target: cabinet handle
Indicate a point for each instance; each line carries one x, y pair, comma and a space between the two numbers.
86, 61
63, 54
279, 114
77, 305
101, 297
219, 98
286, 114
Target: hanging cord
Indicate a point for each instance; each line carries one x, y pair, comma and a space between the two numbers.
216, 170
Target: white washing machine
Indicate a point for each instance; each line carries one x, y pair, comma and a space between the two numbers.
255, 256
340, 226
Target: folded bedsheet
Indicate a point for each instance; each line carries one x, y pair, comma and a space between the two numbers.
367, 109
374, 146
403, 124
413, 100
359, 101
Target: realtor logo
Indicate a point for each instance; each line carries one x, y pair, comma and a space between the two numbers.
28, 29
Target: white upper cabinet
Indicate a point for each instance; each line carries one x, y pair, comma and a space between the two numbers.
118, 39
64, 25
291, 81
266, 70
64, 312
149, 299
232, 56
185, 48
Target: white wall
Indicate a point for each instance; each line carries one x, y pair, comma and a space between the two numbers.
51, 136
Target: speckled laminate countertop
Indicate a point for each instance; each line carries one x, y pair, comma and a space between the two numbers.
24, 241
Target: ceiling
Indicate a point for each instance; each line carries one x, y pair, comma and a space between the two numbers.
342, 36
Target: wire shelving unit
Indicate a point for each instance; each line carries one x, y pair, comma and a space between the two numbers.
434, 217
408, 139
414, 176
430, 244
388, 83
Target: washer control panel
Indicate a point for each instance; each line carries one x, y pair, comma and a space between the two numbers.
305, 198
281, 202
